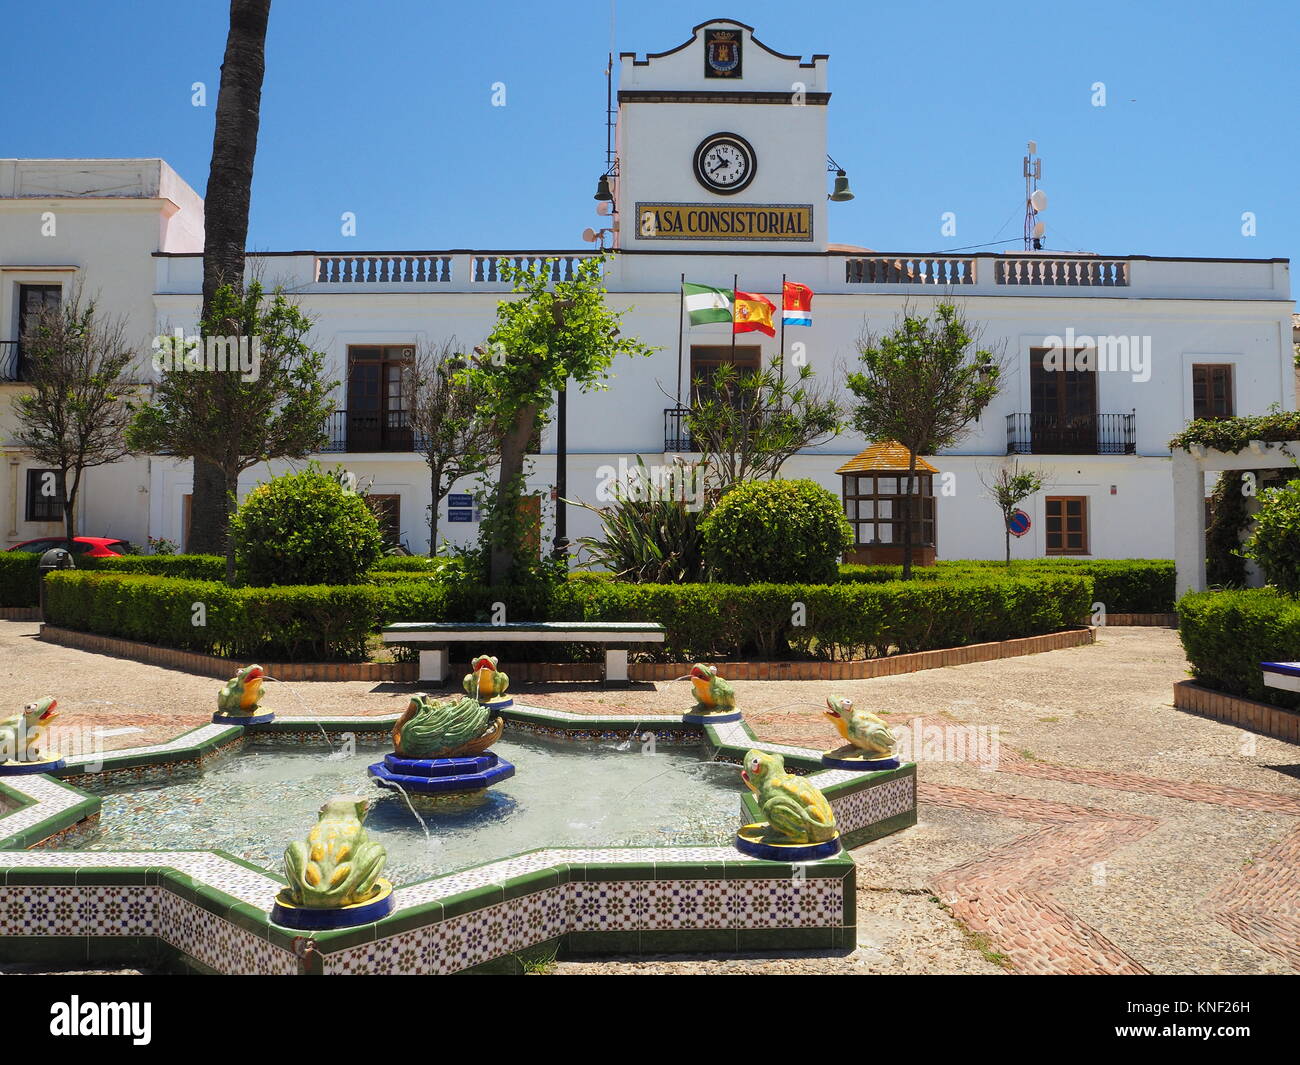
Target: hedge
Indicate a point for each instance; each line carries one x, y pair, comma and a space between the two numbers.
1124, 585
1228, 634
839, 621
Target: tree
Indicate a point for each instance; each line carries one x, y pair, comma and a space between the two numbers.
225, 209
1010, 487
543, 338
452, 428
746, 425
922, 386
272, 405
75, 416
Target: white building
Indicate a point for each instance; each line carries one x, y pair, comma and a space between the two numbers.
1218, 331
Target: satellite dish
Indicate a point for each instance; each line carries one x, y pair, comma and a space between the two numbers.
604, 208
1038, 200
1039, 229
589, 234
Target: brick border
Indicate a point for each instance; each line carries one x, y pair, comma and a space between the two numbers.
533, 672
1167, 621
20, 613
1277, 722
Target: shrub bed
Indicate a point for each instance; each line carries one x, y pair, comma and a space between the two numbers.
322, 622
1228, 634
1124, 585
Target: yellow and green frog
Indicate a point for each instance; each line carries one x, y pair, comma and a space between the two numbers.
796, 811
713, 694
22, 736
862, 729
240, 696
338, 864
484, 681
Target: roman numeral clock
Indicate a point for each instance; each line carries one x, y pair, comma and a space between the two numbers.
725, 163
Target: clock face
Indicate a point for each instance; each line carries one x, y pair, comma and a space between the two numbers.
725, 163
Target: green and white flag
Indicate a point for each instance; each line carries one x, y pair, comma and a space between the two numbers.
706, 304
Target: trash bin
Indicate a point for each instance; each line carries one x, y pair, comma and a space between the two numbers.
55, 558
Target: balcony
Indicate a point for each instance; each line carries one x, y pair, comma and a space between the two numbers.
1074, 434
1032, 270
11, 366
677, 436
438, 268
369, 431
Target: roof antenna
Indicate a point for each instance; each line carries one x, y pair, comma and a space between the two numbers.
1035, 199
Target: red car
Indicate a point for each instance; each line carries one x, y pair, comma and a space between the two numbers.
94, 546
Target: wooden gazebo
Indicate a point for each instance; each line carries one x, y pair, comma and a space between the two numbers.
874, 484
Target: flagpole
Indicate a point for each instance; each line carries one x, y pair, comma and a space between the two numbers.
783, 328
681, 309
735, 283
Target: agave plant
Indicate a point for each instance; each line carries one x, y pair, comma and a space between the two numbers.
650, 541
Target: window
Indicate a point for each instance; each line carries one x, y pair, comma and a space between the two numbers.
388, 510
706, 358
1067, 525
1062, 404
44, 495
873, 504
32, 300
377, 383
1212, 391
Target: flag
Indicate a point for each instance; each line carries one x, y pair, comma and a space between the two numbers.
706, 304
753, 312
797, 304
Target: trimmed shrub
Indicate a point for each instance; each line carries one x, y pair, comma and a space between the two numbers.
19, 579
1275, 543
191, 567
775, 531
1228, 634
304, 528
1123, 585
840, 621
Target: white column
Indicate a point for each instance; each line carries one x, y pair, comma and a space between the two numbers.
1189, 523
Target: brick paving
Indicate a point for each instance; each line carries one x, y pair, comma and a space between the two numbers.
1194, 823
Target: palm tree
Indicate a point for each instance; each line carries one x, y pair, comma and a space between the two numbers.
230, 184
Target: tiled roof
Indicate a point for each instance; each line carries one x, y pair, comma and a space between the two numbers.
888, 455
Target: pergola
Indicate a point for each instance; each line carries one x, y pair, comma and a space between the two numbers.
1190, 466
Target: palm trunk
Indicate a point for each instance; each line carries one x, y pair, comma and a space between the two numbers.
514, 448
230, 184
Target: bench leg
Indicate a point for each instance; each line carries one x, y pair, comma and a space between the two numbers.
433, 665
615, 666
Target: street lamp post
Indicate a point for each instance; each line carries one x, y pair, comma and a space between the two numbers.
560, 548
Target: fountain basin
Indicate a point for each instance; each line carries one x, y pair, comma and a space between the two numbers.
441, 776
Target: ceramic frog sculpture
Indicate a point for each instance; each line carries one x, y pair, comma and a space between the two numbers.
240, 695
863, 729
484, 681
712, 693
796, 811
436, 729
338, 864
21, 735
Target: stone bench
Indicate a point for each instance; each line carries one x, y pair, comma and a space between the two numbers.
434, 640
1284, 675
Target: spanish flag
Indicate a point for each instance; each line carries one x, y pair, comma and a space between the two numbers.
753, 312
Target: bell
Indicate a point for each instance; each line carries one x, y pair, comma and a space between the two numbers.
602, 189
841, 193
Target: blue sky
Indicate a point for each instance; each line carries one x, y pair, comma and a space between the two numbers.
384, 108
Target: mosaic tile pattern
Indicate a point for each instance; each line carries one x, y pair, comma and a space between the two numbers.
200, 735
51, 798
867, 806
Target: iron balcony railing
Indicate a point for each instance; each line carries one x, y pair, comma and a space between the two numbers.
11, 361
677, 434
370, 431
1071, 434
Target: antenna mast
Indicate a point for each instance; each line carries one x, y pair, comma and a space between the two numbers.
1035, 198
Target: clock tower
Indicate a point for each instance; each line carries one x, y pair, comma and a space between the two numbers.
721, 144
